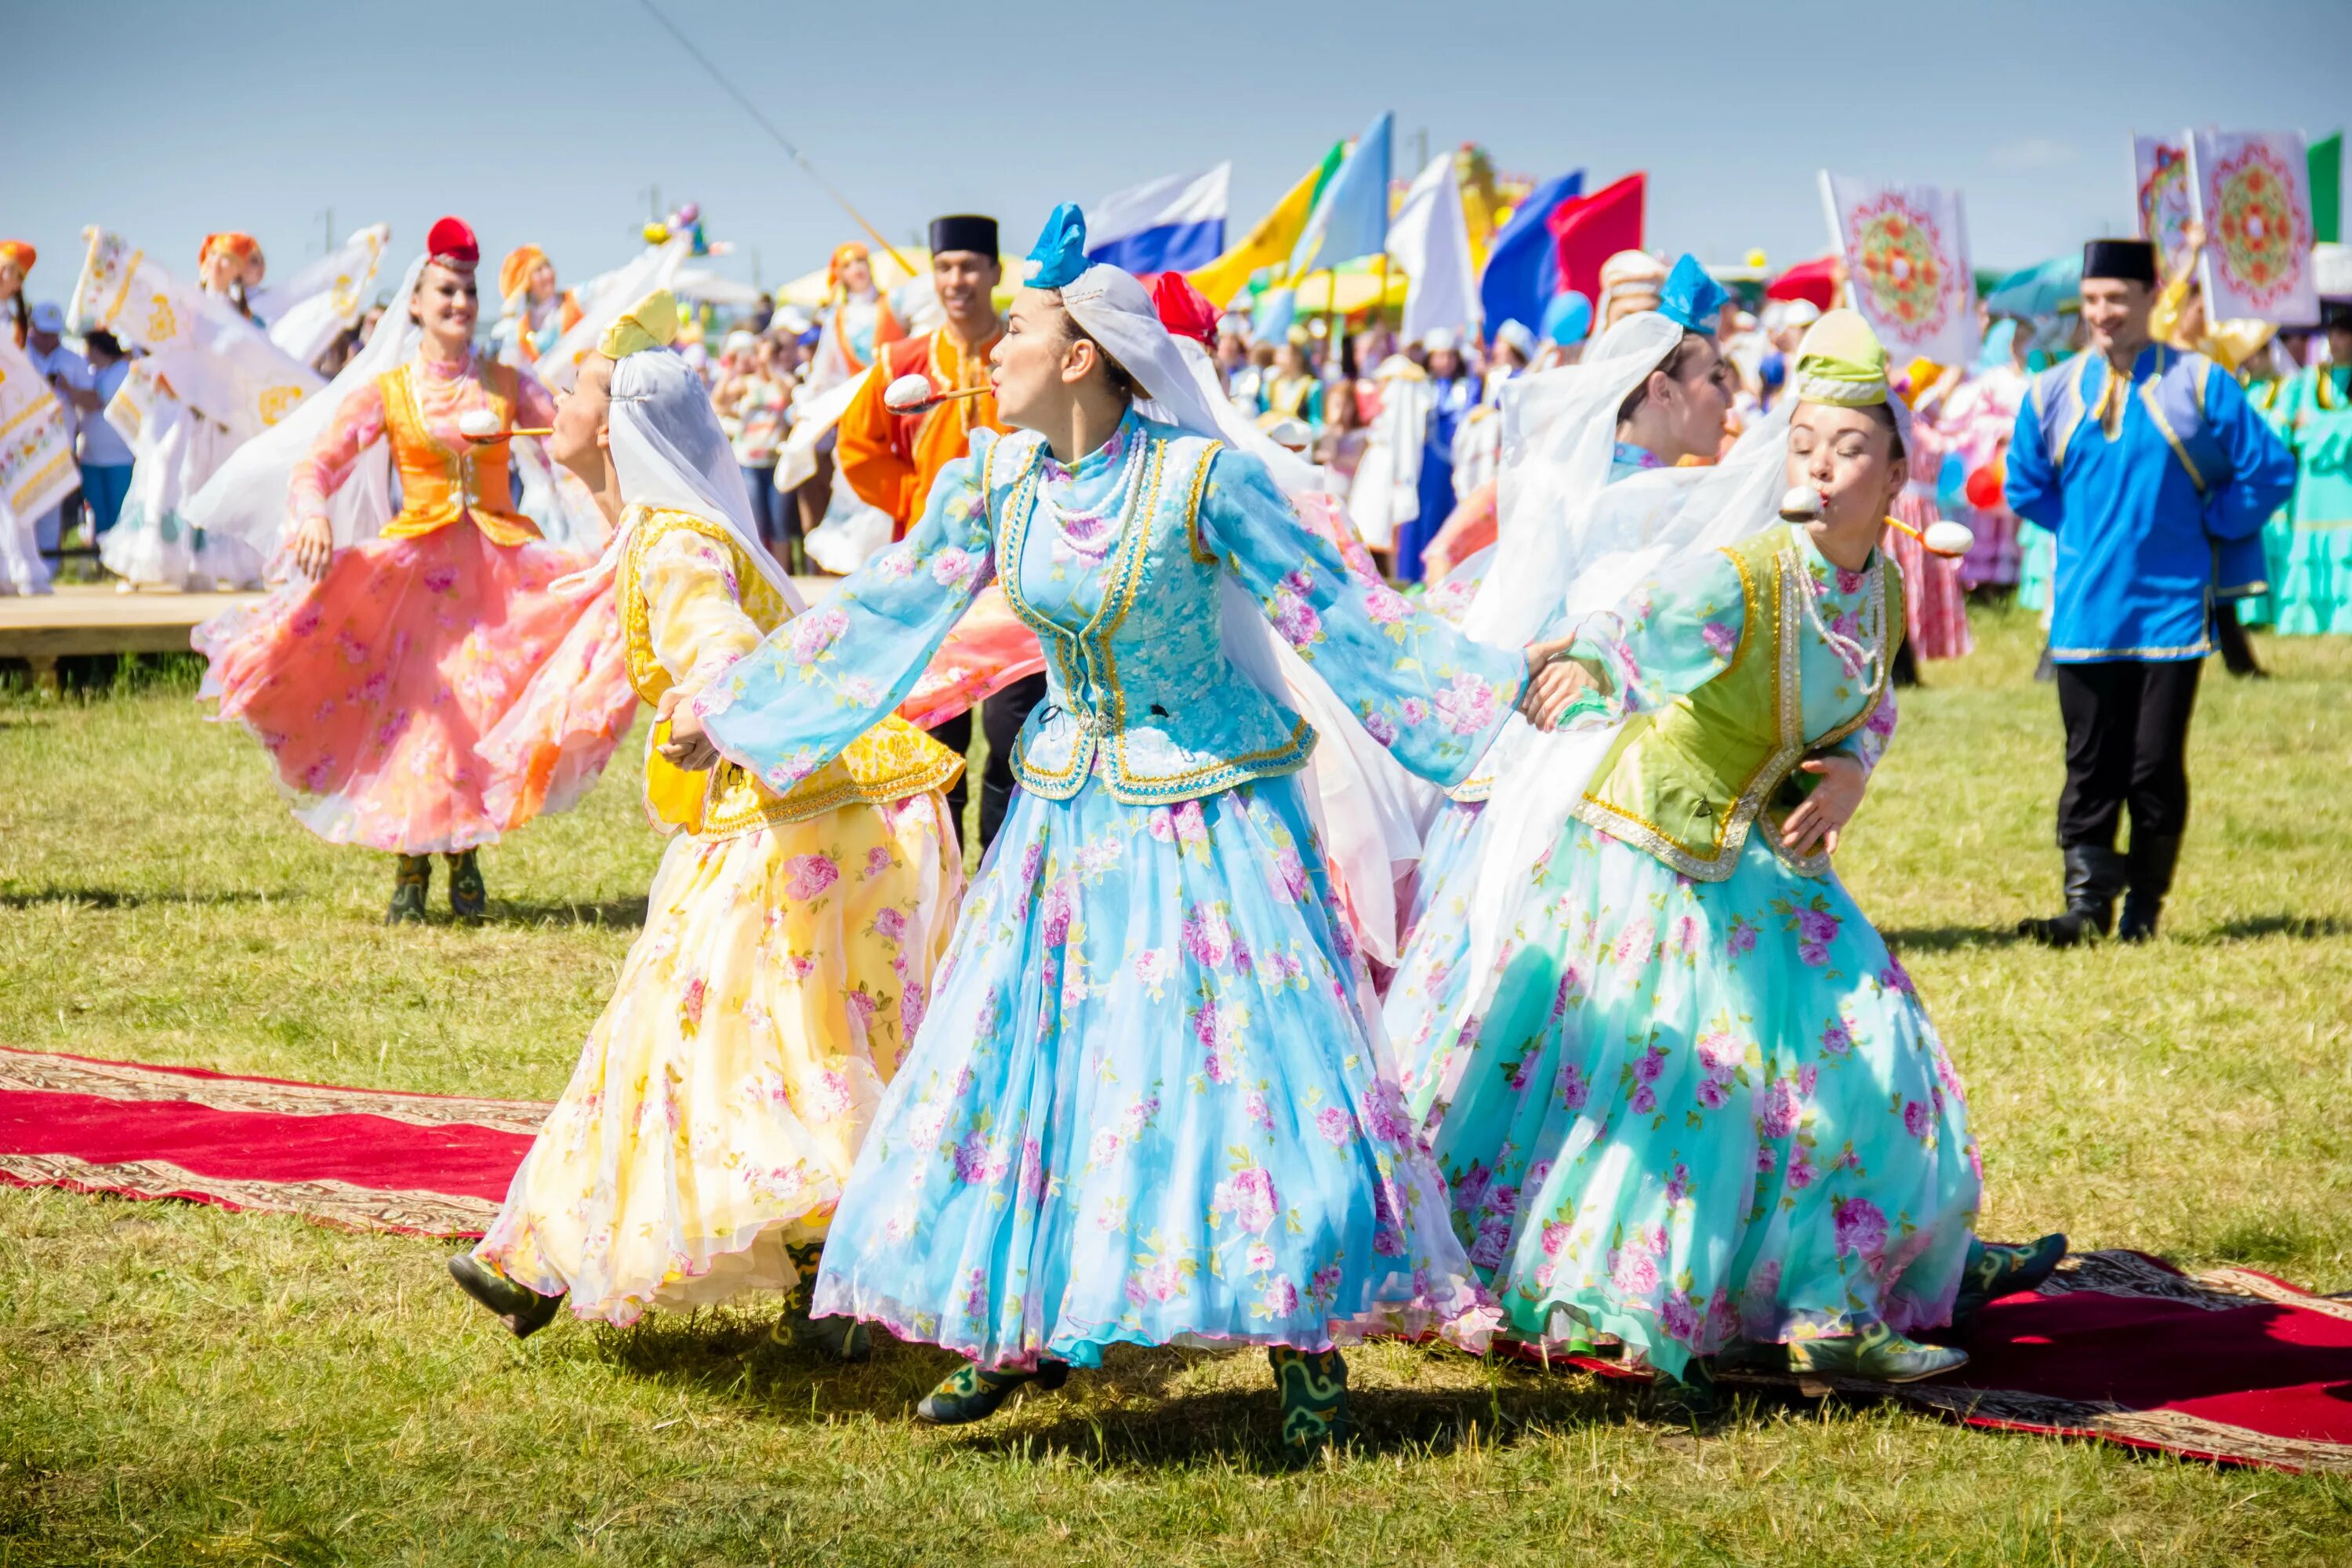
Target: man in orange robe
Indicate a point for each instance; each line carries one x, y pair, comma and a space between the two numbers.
891, 460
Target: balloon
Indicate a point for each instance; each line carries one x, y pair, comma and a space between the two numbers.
1984, 489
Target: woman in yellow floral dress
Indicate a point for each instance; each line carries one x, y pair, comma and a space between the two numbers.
700, 1147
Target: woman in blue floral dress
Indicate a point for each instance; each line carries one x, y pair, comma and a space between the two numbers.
1704, 1110
1148, 1103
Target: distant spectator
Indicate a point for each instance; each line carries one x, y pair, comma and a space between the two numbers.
757, 396
105, 455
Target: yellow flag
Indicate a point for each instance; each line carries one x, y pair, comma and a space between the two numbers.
1269, 241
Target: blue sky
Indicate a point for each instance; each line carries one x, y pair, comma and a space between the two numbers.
550, 123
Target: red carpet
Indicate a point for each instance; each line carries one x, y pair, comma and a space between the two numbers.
425, 1164
2228, 1366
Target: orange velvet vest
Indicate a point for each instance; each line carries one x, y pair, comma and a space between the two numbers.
439, 486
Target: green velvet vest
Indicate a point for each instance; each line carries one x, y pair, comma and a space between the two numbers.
1685, 781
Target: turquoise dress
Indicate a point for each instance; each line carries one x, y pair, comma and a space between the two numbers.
2312, 589
1423, 1006
1703, 1112
1148, 1101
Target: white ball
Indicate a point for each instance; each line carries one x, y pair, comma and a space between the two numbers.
1949, 538
1803, 502
479, 422
907, 392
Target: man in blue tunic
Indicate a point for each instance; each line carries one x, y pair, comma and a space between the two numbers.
2144, 460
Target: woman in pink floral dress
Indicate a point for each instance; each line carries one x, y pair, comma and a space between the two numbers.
374, 683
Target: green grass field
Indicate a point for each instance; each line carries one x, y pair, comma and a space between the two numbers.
182, 1386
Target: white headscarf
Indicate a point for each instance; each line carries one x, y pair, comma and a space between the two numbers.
668, 450
246, 499
1366, 806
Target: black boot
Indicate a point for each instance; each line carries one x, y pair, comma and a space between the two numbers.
469, 898
520, 1307
2093, 878
2149, 877
411, 881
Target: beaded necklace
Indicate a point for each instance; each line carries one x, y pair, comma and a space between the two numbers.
1091, 533
1859, 656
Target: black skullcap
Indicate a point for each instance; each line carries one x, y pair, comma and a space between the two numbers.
965, 231
2131, 260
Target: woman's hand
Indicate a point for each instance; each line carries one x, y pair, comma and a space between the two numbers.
687, 747
1824, 813
1553, 682
313, 547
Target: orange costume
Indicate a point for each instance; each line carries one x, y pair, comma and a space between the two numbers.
890, 459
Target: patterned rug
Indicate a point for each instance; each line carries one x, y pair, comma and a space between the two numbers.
365, 1159
2228, 1366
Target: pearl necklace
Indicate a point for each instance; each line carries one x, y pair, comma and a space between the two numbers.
1091, 533
1859, 656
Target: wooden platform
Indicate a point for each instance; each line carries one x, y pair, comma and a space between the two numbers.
93, 618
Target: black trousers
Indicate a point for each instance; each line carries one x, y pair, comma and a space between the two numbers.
1001, 718
2127, 745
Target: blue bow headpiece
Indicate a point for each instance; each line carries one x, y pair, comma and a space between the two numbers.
1691, 299
1060, 253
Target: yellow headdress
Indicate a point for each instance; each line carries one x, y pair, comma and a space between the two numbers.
650, 323
1840, 362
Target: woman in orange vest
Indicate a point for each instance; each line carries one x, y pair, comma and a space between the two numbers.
375, 682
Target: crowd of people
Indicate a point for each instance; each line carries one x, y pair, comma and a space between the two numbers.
1413, 775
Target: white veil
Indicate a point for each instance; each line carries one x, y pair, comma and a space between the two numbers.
1652, 525
1366, 806
245, 499
668, 450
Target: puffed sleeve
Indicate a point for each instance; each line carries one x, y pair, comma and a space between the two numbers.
694, 609
357, 426
1431, 696
825, 677
1669, 637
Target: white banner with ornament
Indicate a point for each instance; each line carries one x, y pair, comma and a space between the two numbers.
214, 360
2252, 192
37, 457
1906, 263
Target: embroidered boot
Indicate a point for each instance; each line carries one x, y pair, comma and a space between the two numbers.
1875, 1354
2148, 870
971, 1394
519, 1307
1313, 1388
412, 881
469, 898
1994, 1270
843, 1338
2093, 878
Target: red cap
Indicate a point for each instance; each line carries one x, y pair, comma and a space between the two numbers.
1184, 310
452, 243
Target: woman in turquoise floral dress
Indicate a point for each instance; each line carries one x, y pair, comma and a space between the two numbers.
1704, 1110
1148, 1103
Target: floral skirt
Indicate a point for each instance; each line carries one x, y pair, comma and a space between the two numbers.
1426, 996
1150, 1104
373, 688
723, 1094
1935, 603
1702, 1112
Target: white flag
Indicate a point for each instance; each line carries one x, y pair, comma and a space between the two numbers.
219, 363
311, 309
1906, 257
1430, 238
37, 456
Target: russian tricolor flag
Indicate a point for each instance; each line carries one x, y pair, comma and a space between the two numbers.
1168, 225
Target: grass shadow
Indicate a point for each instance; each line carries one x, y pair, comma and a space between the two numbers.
1949, 939
1132, 1413
568, 914
116, 899
2253, 928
